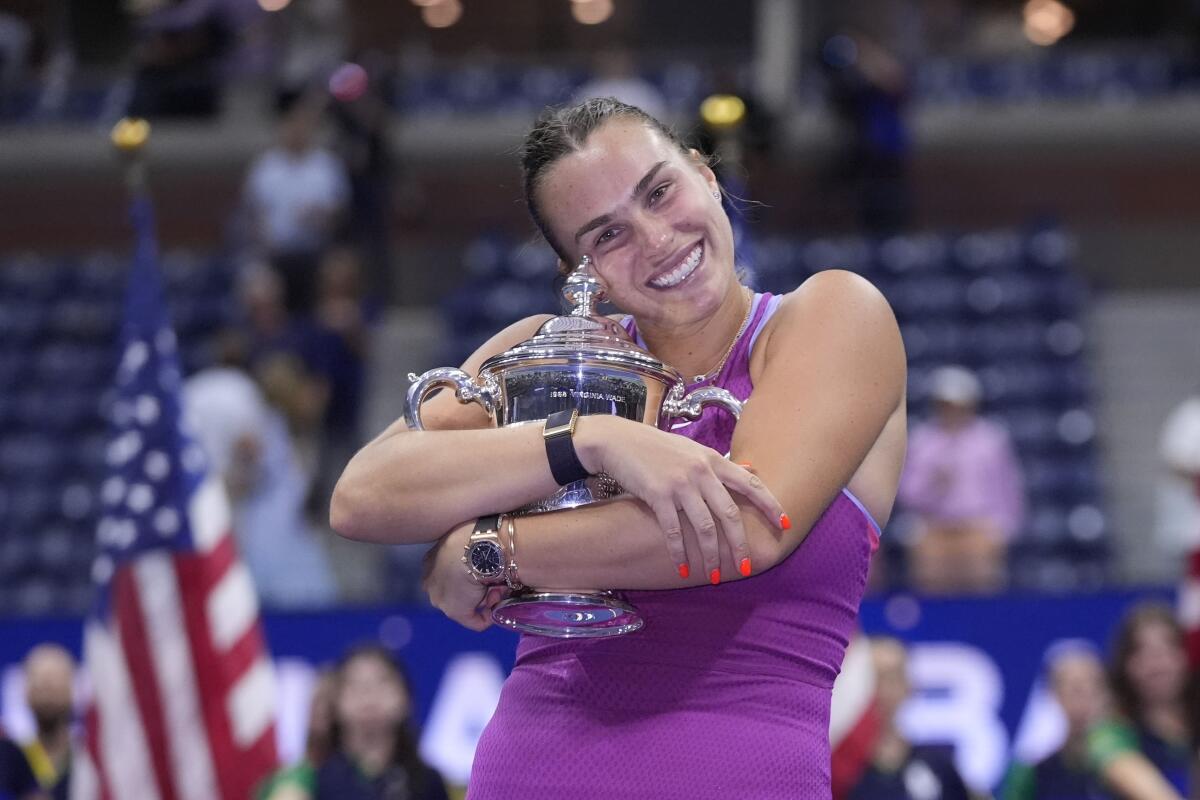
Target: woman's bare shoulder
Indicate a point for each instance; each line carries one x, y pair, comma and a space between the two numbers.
826, 302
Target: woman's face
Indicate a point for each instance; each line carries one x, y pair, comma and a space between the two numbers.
370, 697
646, 215
1157, 666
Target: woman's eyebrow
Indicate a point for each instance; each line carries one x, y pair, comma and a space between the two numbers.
604, 219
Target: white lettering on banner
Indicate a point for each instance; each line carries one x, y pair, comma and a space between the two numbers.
957, 692
17, 720
295, 680
464, 703
1042, 728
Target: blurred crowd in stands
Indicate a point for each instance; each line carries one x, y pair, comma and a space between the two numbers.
1129, 729
1002, 488
181, 59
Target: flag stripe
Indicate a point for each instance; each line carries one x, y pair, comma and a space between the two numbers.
232, 607
121, 747
136, 645
209, 514
190, 756
216, 671
250, 708
99, 790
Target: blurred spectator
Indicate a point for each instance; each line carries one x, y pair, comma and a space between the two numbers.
1076, 676
180, 59
1179, 494
15, 39
362, 117
1144, 751
17, 781
614, 74
964, 483
49, 684
286, 357
868, 93
296, 194
247, 443
374, 744
898, 769
344, 316
314, 42
309, 368
298, 781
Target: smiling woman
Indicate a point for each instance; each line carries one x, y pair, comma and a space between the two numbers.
750, 603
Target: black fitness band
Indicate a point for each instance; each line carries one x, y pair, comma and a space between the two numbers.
560, 447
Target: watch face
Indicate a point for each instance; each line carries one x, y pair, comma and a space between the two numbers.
487, 559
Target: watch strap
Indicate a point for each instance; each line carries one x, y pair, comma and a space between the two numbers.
488, 523
560, 447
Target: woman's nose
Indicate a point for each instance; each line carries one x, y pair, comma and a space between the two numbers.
657, 234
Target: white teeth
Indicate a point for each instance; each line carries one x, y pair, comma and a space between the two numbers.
685, 268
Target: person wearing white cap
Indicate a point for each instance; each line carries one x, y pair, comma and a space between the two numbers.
963, 482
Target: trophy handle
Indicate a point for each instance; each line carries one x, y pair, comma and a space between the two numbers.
465, 389
690, 406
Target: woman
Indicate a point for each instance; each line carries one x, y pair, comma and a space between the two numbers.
1076, 676
725, 691
297, 781
373, 747
1144, 752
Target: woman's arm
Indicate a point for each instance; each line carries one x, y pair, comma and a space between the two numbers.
407, 486
412, 486
832, 376
1134, 777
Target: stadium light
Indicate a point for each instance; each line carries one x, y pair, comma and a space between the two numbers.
591, 12
1047, 21
442, 13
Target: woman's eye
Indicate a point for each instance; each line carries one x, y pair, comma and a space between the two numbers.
659, 193
606, 236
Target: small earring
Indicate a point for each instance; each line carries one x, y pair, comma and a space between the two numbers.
716, 194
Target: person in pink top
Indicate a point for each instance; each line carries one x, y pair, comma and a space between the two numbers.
963, 481
748, 569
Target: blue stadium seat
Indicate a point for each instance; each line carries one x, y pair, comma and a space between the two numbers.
913, 253
928, 296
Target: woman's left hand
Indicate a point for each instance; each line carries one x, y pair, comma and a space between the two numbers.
451, 588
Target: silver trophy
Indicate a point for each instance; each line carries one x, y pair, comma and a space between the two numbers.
587, 361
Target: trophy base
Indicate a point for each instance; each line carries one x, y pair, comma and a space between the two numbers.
567, 615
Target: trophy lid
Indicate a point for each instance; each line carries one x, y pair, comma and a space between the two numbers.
582, 336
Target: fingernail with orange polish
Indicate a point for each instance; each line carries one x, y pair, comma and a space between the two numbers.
714, 577
684, 571
744, 567
785, 522
745, 465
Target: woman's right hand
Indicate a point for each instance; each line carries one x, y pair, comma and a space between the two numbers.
675, 476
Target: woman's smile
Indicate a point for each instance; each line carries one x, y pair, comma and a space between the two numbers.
672, 275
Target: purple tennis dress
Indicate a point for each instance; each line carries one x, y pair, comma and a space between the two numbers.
723, 694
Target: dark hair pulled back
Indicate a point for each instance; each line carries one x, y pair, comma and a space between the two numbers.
560, 131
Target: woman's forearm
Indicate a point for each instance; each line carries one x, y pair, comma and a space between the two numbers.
412, 486
1135, 777
619, 545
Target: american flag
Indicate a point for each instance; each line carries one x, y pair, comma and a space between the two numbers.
183, 697
1189, 606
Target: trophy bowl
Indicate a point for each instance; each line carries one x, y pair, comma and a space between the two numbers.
585, 361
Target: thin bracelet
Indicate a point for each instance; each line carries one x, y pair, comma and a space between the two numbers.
510, 574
